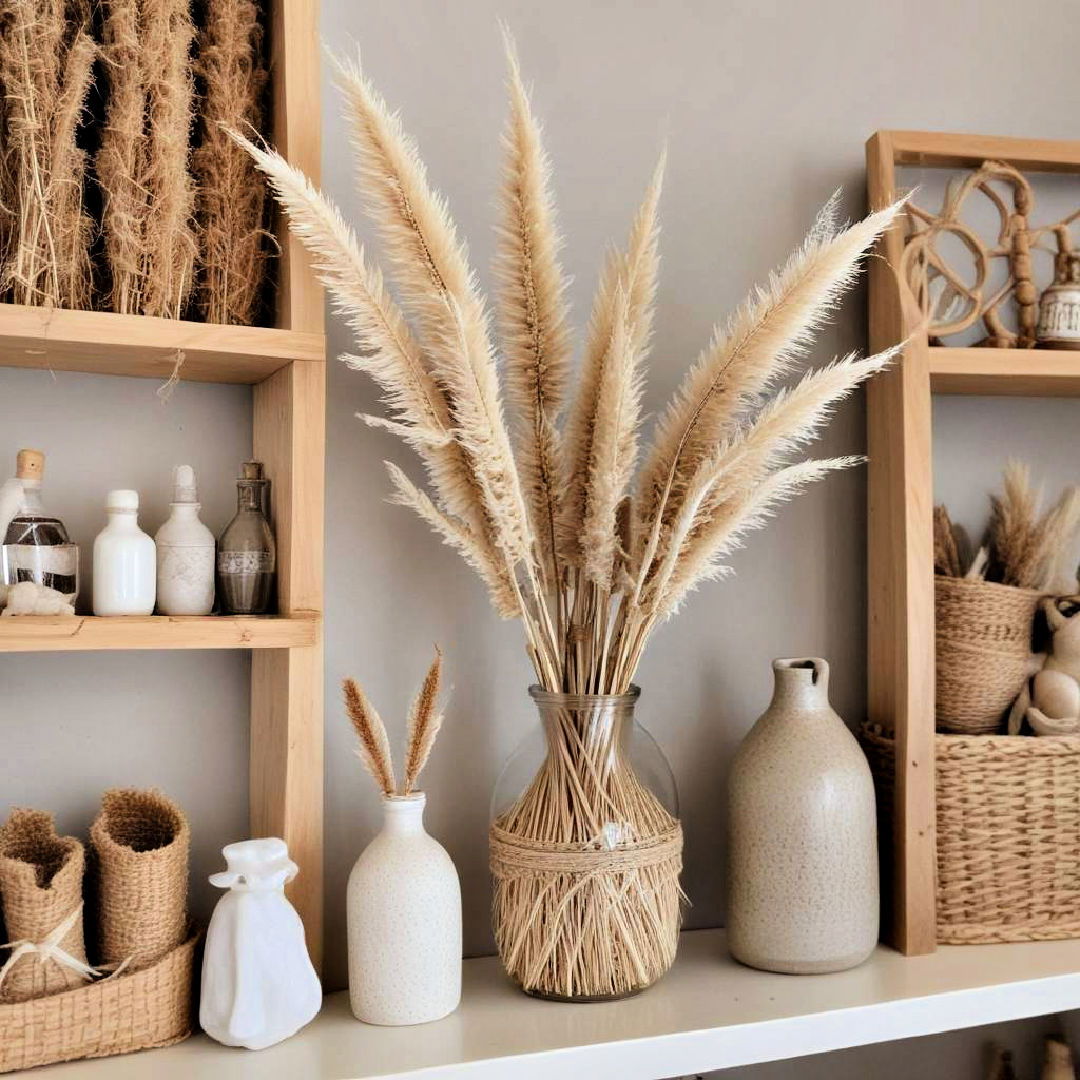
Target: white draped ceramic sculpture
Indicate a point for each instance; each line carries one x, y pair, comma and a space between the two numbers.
258, 985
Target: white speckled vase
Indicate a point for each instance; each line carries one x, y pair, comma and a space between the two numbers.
404, 915
802, 855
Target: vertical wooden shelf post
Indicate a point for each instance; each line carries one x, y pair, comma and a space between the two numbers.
286, 776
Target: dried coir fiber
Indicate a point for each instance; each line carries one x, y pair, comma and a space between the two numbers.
140, 841
41, 876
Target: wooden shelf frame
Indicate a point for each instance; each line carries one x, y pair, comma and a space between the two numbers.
286, 366
900, 502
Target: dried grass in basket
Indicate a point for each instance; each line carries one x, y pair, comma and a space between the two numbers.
1008, 834
140, 841
133, 1011
983, 650
41, 878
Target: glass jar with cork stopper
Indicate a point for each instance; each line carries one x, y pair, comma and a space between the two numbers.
246, 552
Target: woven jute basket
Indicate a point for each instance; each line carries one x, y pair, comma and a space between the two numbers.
983, 646
134, 1010
41, 880
1008, 833
140, 842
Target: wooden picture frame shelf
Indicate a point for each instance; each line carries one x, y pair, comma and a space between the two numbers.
286, 366
901, 585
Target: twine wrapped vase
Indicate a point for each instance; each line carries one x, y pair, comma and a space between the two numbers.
140, 841
586, 859
41, 877
983, 648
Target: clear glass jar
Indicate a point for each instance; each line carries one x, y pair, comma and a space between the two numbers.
586, 853
247, 555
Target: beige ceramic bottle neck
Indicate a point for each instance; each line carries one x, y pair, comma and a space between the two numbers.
801, 683
404, 813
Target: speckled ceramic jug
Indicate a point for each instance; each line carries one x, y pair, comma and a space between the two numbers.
802, 852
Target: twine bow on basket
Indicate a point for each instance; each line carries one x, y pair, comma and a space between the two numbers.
49, 949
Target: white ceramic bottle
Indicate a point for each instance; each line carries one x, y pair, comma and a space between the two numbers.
404, 916
185, 553
258, 985
125, 565
802, 853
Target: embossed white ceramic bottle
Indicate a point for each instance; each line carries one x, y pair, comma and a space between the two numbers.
185, 553
404, 916
802, 850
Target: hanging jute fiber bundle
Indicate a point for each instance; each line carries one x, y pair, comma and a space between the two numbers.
41, 877
140, 841
46, 64
231, 194
983, 646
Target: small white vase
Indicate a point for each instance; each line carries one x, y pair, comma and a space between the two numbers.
802, 852
258, 985
125, 560
404, 915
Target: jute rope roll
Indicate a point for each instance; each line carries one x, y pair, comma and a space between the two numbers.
41, 878
983, 652
1008, 834
140, 840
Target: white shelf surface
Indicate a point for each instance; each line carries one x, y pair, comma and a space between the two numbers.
709, 1013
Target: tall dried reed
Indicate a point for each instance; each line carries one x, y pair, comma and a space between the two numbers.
231, 194
143, 163
592, 561
46, 63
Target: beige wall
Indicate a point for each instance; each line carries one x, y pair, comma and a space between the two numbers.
765, 108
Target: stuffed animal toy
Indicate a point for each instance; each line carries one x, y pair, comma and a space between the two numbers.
1050, 701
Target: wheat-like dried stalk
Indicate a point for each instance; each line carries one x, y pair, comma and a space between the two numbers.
373, 748
231, 196
946, 553
424, 723
46, 61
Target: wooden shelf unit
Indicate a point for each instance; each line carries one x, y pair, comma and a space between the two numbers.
286, 365
901, 492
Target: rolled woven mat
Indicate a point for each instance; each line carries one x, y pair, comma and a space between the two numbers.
140, 842
41, 879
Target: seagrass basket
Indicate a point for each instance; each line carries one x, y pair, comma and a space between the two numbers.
1008, 834
983, 652
134, 1010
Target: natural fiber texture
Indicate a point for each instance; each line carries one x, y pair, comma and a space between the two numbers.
142, 166
131, 1011
41, 882
1008, 830
983, 649
373, 745
46, 62
231, 194
140, 840
586, 863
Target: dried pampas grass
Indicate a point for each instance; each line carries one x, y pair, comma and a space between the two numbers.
46, 63
143, 164
231, 195
545, 504
424, 721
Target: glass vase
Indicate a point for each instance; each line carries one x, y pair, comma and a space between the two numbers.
247, 555
586, 851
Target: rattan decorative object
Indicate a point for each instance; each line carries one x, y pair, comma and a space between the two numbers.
983, 652
134, 1010
953, 301
1008, 834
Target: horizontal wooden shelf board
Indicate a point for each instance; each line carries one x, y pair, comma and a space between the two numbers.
709, 1013
85, 633
1017, 372
103, 342
939, 149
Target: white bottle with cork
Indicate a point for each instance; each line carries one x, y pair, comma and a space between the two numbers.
185, 553
125, 564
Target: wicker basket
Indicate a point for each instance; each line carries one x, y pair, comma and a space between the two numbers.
1008, 834
134, 1011
983, 643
